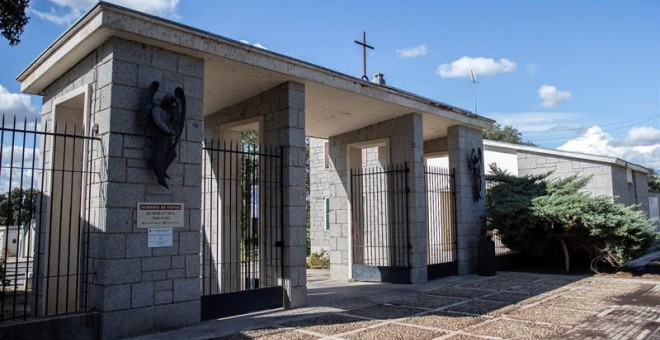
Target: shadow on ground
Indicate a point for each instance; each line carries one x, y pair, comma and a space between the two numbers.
510, 305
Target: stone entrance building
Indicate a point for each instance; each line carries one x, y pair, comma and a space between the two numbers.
243, 236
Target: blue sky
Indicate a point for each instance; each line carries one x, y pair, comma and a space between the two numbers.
576, 75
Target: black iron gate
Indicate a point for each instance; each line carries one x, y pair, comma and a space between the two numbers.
46, 214
440, 223
242, 223
379, 209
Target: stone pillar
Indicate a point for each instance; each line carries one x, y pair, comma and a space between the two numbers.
413, 150
470, 213
138, 289
289, 125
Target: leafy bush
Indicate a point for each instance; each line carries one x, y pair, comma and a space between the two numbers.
542, 217
318, 260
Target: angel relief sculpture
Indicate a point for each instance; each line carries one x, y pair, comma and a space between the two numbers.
475, 163
169, 120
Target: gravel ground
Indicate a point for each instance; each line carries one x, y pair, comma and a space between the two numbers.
538, 288
332, 324
513, 329
507, 306
269, 334
550, 315
445, 320
491, 285
424, 301
507, 297
476, 307
384, 312
459, 292
464, 337
396, 332
577, 303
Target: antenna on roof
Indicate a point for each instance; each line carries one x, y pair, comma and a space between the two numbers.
474, 87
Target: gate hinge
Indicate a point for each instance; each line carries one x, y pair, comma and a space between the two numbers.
279, 243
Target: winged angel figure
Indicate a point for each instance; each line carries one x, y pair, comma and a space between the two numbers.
169, 118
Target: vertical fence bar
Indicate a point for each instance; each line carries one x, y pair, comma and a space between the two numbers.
203, 215
31, 212
39, 233
4, 269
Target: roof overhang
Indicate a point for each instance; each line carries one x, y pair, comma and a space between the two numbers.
235, 71
496, 146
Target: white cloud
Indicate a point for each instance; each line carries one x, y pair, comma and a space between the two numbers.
20, 170
255, 44
412, 52
480, 66
18, 105
533, 122
640, 146
533, 69
644, 135
65, 12
550, 96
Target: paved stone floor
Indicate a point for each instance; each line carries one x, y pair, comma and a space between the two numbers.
509, 305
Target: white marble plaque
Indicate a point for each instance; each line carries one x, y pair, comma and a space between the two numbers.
159, 237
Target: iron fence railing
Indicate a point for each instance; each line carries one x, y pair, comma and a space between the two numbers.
379, 205
242, 218
45, 218
440, 211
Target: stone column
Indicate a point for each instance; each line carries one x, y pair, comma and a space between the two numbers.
413, 151
288, 126
470, 213
138, 289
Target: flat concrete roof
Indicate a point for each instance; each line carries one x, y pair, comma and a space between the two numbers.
335, 103
493, 145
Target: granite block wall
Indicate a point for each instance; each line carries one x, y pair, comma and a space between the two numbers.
602, 176
138, 289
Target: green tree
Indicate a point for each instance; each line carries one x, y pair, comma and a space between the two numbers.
541, 217
13, 19
506, 133
654, 182
18, 207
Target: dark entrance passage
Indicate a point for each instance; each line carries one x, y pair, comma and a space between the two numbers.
440, 223
242, 223
379, 208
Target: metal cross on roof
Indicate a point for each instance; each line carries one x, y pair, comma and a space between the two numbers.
364, 45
